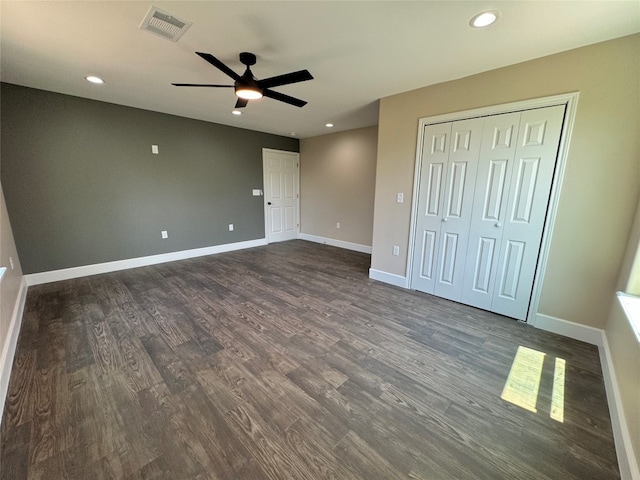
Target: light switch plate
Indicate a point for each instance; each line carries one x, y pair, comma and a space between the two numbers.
257, 192
154, 149
400, 198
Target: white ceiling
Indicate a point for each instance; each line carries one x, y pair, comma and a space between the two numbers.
358, 51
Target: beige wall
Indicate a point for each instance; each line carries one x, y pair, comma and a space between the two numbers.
10, 286
629, 279
337, 181
625, 357
623, 344
601, 182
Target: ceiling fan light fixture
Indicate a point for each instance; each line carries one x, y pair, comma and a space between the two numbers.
248, 92
484, 19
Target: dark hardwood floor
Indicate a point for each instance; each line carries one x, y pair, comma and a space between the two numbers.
286, 362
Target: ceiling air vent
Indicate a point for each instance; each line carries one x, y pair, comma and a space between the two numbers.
164, 24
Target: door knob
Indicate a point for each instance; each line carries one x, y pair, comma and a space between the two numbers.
268, 203
445, 219
498, 225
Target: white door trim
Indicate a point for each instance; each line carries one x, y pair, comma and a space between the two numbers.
264, 188
571, 102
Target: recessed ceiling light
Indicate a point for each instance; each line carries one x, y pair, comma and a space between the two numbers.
237, 112
293, 134
484, 19
328, 125
94, 79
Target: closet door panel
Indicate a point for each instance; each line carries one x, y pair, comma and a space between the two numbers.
495, 165
435, 157
527, 204
459, 186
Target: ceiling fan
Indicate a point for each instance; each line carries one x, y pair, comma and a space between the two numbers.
247, 87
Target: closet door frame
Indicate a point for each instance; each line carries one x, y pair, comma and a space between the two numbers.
570, 100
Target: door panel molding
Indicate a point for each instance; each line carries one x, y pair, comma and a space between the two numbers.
570, 102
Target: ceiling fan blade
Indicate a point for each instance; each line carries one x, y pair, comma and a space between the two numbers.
241, 103
284, 98
219, 65
200, 85
285, 79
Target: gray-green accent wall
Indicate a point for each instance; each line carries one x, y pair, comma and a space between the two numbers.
82, 186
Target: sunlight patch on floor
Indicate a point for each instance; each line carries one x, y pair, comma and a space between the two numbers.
523, 382
557, 397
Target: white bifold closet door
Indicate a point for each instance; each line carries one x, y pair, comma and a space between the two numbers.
515, 173
449, 162
483, 197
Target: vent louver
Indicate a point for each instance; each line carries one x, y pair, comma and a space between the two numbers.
164, 24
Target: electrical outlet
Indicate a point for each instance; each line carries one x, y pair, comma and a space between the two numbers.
396, 250
400, 197
164, 234
231, 227
338, 225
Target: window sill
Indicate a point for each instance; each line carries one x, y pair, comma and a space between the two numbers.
631, 306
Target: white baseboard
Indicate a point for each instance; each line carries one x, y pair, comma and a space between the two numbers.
86, 270
391, 278
624, 448
595, 336
569, 329
10, 344
335, 243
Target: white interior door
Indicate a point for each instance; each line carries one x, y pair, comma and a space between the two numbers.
526, 210
435, 155
515, 174
483, 196
281, 196
489, 208
457, 206
448, 173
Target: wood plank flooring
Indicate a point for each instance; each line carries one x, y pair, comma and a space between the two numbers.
286, 362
